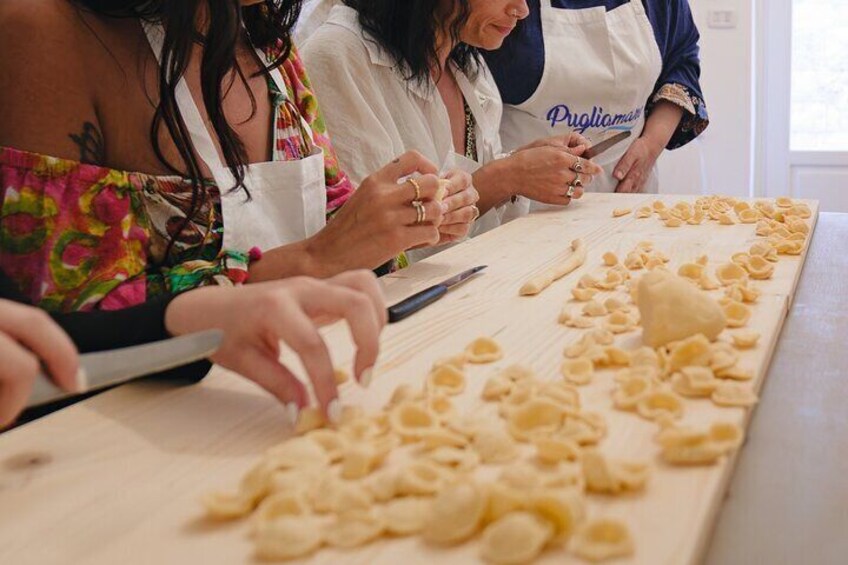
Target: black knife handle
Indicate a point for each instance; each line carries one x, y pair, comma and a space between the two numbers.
416, 302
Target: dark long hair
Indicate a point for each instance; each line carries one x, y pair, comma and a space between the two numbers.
267, 24
407, 30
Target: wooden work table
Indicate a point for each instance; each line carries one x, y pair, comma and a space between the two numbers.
117, 478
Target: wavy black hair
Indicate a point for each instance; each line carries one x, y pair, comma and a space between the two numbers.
267, 23
407, 30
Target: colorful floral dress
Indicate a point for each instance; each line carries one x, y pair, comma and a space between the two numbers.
78, 237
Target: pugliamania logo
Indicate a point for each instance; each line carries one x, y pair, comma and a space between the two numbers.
596, 119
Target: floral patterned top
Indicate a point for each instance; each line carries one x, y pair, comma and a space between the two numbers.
77, 237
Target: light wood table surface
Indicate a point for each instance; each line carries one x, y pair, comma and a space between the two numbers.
117, 478
787, 503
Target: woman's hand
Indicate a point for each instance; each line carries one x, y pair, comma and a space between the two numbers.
634, 168
256, 318
461, 203
545, 174
28, 338
380, 221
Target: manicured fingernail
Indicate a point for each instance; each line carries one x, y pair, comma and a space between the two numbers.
334, 412
619, 175
445, 208
292, 413
365, 377
82, 380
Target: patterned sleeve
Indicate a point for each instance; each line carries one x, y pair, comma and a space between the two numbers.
339, 186
679, 82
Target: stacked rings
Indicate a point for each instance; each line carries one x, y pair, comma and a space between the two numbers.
417, 188
578, 165
421, 212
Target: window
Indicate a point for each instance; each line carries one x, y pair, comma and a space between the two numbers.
819, 107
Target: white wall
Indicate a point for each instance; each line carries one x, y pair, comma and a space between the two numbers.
722, 156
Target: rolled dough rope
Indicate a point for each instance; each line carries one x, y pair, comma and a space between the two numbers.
543, 280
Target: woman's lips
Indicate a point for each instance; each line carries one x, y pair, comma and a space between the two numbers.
503, 30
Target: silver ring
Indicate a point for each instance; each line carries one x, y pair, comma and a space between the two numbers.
570, 192
420, 211
577, 182
578, 165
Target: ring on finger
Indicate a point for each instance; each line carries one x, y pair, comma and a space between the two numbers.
577, 182
417, 188
578, 165
420, 211
570, 192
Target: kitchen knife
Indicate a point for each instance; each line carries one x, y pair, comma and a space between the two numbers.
419, 300
109, 368
596, 150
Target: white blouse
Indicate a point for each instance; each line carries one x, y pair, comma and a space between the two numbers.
374, 114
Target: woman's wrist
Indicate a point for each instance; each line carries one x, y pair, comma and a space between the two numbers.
196, 310
495, 181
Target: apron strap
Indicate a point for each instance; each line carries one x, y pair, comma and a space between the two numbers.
200, 136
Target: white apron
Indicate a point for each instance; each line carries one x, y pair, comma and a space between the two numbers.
288, 199
600, 69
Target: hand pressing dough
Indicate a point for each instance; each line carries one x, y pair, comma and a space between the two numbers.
517, 537
672, 310
603, 539
543, 280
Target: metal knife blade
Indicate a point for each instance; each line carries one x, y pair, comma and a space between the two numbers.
464, 275
419, 300
118, 366
596, 150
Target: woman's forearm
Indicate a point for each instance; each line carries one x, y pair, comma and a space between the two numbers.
494, 182
661, 124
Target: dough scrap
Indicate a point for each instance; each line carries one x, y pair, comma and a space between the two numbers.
672, 309
543, 280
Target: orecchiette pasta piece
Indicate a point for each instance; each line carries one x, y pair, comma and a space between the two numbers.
354, 528
302, 479
616, 356
297, 452
729, 273
411, 420
612, 477
462, 460
594, 308
497, 387
555, 449
564, 508
518, 537
759, 268
440, 405
577, 371
643, 212
440, 437
333, 494
579, 349
748, 216
310, 418
422, 477
735, 373
516, 373
620, 322
694, 351
495, 445
288, 537
564, 315
520, 394
586, 428
619, 212
536, 416
644, 357
382, 485
503, 499
630, 391
332, 441
737, 314
612, 280
659, 402
726, 435
673, 222
693, 271
483, 350
457, 361
723, 356
707, 283
522, 476
580, 323
783, 202
634, 261
603, 539
456, 513
405, 516
583, 294
227, 506
694, 381
543, 280
279, 504
359, 460
742, 259
341, 376
614, 305
403, 393
602, 337
702, 260
732, 394
447, 379
610, 259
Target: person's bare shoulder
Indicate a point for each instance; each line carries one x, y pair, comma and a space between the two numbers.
46, 92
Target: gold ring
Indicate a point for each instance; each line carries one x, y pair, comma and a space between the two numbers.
417, 188
420, 211
476, 212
